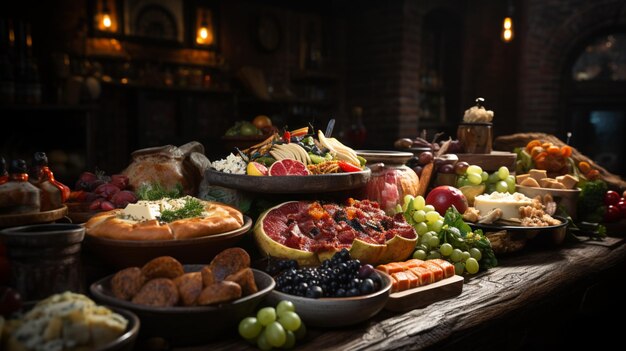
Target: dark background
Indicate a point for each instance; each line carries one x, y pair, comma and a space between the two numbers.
410, 65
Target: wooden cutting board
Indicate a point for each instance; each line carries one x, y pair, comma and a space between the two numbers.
491, 162
425, 295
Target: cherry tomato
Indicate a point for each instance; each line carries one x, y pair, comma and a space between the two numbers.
10, 301
622, 207
584, 167
287, 137
611, 198
612, 213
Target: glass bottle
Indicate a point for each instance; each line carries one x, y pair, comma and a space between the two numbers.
18, 195
42, 178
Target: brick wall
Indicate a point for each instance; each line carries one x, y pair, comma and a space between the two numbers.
553, 31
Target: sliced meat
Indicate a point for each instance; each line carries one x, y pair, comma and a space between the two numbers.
229, 261
163, 267
160, 292
223, 291
433, 267
426, 276
126, 283
189, 287
448, 268
245, 279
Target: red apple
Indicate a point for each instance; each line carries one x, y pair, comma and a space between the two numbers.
622, 207
612, 213
442, 197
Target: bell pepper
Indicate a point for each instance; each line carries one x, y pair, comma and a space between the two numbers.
348, 167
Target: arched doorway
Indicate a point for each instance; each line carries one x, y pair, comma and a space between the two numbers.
595, 81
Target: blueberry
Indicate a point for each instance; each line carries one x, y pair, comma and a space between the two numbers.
340, 292
367, 286
353, 292
314, 292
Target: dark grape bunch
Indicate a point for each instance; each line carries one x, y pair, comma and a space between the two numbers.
340, 276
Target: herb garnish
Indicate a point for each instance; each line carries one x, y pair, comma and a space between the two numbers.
156, 191
192, 208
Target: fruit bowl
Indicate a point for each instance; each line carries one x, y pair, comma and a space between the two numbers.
188, 325
127, 253
289, 184
331, 312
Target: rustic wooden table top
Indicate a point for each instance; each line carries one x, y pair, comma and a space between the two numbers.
520, 280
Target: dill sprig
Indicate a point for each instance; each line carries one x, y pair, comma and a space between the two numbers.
192, 208
156, 191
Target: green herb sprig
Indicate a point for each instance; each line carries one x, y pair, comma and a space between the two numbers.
192, 208
156, 191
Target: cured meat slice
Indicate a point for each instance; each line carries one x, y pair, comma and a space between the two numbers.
448, 268
426, 276
404, 282
435, 268
414, 280
412, 263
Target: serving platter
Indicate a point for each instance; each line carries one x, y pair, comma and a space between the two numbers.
192, 325
13, 220
290, 184
423, 296
128, 253
495, 227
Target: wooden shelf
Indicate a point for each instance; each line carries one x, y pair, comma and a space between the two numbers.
199, 90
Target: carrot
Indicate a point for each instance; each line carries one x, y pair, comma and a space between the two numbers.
427, 172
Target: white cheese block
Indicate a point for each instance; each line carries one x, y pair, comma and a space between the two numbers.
508, 203
142, 211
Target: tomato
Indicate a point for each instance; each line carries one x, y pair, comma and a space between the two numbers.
622, 207
611, 198
612, 213
348, 167
10, 301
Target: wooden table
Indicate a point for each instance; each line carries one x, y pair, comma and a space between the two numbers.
535, 299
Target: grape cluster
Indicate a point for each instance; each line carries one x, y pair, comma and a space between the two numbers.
501, 180
340, 276
423, 217
273, 327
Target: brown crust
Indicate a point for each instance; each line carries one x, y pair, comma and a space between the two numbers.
189, 288
229, 261
222, 218
223, 291
161, 292
126, 283
163, 267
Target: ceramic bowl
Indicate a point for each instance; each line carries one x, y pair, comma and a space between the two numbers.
126, 341
188, 325
336, 312
128, 253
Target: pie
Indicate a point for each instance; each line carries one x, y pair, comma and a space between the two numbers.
165, 219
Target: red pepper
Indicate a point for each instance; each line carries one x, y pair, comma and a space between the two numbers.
348, 167
287, 137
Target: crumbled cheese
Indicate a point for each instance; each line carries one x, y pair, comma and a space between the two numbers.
231, 164
67, 319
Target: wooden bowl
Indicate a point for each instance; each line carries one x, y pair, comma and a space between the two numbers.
129, 253
126, 341
189, 325
331, 312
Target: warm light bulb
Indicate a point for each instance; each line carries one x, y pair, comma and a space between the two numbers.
507, 30
203, 32
204, 36
106, 21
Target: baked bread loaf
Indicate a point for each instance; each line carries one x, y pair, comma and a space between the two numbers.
165, 219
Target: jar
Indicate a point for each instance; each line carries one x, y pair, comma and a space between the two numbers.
391, 179
475, 137
44, 258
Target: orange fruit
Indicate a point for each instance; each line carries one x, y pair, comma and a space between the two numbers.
262, 121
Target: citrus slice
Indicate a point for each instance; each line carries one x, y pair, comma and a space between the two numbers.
288, 167
256, 169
